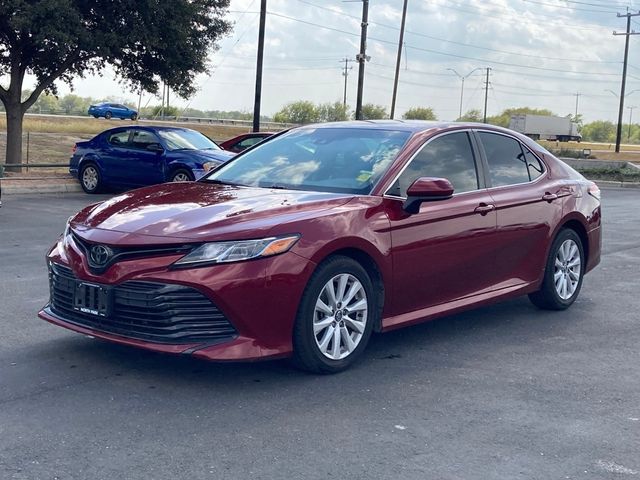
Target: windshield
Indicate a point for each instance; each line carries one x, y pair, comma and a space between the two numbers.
349, 160
186, 140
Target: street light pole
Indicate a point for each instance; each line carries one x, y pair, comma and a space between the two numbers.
463, 78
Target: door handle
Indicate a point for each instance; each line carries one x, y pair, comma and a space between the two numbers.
484, 208
549, 197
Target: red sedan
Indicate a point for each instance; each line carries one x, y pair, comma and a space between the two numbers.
244, 141
305, 245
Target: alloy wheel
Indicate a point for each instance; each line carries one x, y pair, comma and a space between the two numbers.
181, 177
340, 316
567, 269
90, 178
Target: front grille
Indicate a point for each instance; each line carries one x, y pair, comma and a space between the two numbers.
157, 312
126, 253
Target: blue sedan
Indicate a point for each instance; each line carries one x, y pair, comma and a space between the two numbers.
135, 156
109, 110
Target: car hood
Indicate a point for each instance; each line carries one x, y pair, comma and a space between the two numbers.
211, 155
197, 211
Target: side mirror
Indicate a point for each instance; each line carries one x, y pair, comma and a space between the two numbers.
155, 147
427, 189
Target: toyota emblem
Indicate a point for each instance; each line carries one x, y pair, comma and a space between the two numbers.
100, 255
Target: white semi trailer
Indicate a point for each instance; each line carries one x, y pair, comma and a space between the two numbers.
545, 127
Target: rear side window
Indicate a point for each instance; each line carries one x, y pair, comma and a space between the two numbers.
119, 139
509, 162
449, 156
533, 164
248, 142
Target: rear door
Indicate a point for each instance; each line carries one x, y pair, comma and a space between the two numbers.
445, 251
528, 206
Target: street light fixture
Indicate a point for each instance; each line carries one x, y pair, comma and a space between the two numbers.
617, 95
463, 78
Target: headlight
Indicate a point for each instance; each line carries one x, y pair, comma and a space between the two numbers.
209, 166
237, 251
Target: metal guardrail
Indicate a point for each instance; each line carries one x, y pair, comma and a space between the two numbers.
202, 120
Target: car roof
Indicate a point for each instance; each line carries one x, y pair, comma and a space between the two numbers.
150, 127
413, 126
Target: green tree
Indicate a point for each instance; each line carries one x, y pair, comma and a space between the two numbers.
374, 112
46, 104
73, 104
144, 42
299, 112
599, 131
420, 113
474, 115
332, 112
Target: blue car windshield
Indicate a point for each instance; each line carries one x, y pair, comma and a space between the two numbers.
349, 160
187, 140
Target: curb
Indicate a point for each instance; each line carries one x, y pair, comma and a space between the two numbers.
611, 183
21, 186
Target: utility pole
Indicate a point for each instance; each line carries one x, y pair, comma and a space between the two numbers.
486, 95
362, 57
630, 115
164, 88
463, 78
400, 41
627, 34
345, 74
577, 95
258, 94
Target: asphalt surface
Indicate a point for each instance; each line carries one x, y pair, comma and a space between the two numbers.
502, 392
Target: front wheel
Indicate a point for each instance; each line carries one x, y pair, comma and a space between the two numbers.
335, 318
90, 180
134, 117
563, 273
107, 115
181, 175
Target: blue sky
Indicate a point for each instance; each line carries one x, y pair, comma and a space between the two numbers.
542, 52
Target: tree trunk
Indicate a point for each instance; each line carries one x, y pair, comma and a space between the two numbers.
15, 116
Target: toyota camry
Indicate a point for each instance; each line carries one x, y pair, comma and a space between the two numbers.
303, 246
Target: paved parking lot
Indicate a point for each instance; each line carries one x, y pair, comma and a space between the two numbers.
503, 392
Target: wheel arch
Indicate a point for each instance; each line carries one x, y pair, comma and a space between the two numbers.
577, 226
371, 266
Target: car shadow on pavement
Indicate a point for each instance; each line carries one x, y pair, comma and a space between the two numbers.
443, 342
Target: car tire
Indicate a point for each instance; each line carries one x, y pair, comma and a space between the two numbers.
563, 273
90, 178
329, 335
107, 115
181, 175
134, 117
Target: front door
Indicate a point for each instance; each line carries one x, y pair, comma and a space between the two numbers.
444, 252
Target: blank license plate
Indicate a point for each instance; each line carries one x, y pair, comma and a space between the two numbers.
91, 299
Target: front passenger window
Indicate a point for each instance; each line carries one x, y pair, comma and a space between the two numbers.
449, 156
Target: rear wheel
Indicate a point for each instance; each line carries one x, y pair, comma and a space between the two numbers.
181, 175
90, 179
563, 273
107, 115
335, 318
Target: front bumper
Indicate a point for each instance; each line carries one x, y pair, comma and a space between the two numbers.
259, 298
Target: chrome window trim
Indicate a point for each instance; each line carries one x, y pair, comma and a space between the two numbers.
435, 137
